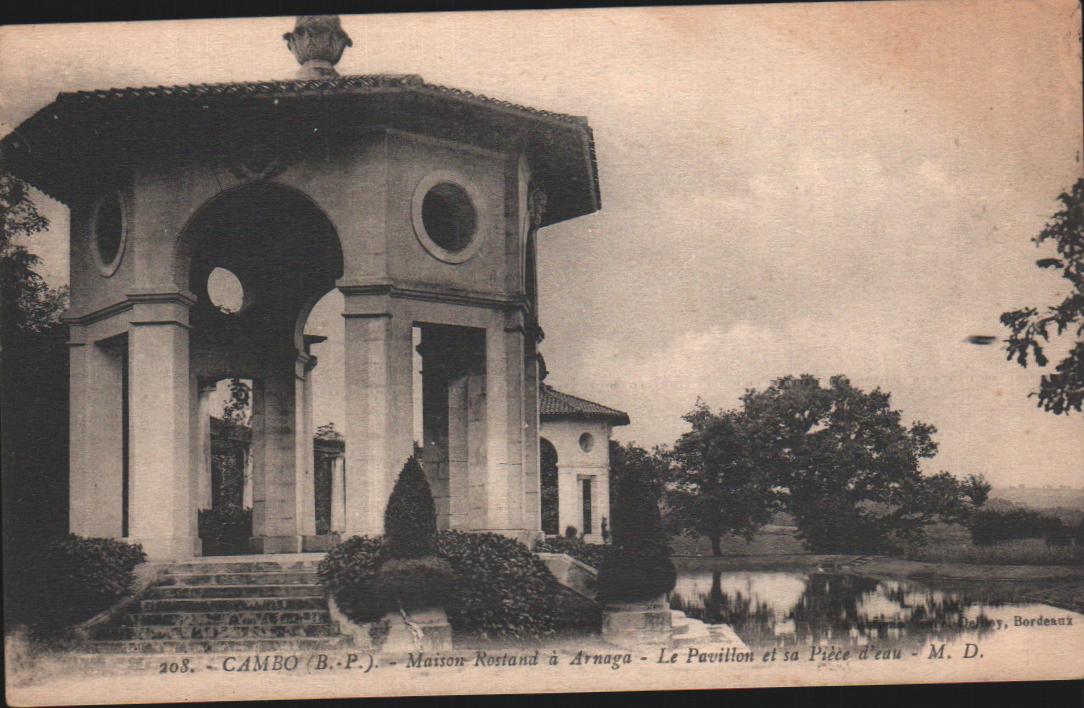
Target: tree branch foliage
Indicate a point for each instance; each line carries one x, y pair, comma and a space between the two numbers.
839, 459
1031, 329
27, 304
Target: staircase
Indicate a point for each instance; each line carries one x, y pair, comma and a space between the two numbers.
226, 606
688, 631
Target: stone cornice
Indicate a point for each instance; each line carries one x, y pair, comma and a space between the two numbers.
388, 288
143, 297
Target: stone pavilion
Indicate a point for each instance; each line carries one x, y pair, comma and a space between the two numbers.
420, 203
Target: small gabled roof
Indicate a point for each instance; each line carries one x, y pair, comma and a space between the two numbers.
555, 405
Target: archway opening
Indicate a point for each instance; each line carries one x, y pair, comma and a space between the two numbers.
260, 260
550, 495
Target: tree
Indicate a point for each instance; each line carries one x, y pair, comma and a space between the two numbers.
651, 466
1030, 330
849, 467
28, 305
638, 567
722, 483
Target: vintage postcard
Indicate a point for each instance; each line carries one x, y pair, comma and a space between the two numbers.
547, 351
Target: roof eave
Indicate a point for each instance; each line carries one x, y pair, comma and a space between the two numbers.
568, 170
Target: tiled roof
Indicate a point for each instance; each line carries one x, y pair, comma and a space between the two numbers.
41, 148
330, 85
554, 404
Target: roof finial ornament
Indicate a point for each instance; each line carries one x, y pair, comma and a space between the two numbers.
318, 42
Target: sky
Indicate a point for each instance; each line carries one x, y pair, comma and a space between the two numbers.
837, 188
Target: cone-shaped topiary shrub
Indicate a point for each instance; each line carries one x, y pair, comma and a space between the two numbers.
412, 577
638, 567
410, 520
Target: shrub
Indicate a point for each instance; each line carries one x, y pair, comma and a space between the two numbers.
410, 519
989, 526
505, 590
348, 571
416, 583
1059, 536
225, 530
80, 577
571, 532
638, 567
412, 577
501, 588
590, 553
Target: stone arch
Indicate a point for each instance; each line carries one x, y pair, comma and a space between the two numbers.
549, 487
282, 197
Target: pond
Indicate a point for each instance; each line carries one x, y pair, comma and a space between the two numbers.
799, 608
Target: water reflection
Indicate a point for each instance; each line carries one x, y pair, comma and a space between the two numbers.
797, 608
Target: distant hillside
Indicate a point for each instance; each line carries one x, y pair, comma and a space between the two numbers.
1067, 504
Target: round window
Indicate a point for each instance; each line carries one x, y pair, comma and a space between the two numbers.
449, 217
446, 217
587, 441
108, 231
225, 291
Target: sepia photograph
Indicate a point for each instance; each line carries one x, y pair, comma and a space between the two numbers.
542, 351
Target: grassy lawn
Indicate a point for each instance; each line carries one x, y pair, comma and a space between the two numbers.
946, 544
769, 541
1025, 551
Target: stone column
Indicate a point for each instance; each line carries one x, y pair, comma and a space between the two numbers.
602, 487
306, 485
437, 355
478, 491
96, 462
378, 405
338, 497
569, 509
274, 487
459, 502
246, 493
532, 476
202, 429
162, 508
504, 429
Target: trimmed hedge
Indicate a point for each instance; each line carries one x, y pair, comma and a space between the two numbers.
590, 553
416, 583
80, 577
505, 590
501, 588
988, 526
348, 571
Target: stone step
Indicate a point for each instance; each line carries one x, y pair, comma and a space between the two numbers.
227, 566
246, 617
235, 631
232, 604
231, 591
696, 632
679, 623
266, 577
725, 634
207, 646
